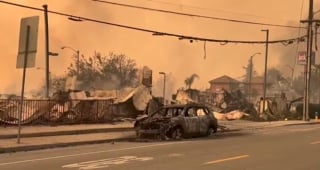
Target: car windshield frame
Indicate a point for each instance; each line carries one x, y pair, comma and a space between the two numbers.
165, 111
182, 108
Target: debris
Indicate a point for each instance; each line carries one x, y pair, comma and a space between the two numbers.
233, 115
78, 106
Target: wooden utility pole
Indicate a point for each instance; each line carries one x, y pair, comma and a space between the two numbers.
308, 64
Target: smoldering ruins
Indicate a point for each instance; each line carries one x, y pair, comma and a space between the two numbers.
94, 106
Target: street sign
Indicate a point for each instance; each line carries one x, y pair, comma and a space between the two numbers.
32, 23
302, 56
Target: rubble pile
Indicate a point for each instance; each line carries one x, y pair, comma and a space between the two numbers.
225, 105
276, 108
225, 102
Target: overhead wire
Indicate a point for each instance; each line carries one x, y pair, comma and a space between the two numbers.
154, 32
195, 15
204, 8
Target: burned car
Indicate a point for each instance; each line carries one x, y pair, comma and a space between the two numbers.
177, 121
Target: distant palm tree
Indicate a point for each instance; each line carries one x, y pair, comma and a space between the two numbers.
189, 80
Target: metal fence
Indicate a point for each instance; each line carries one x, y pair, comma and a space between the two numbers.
56, 112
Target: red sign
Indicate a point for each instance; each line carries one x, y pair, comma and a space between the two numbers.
302, 56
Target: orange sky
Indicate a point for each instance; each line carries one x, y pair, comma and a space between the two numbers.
179, 58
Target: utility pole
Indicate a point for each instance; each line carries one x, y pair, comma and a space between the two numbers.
47, 49
309, 53
265, 69
308, 63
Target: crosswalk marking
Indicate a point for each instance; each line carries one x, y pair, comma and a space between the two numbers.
104, 163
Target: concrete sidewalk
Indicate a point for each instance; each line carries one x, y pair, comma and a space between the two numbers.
42, 130
42, 137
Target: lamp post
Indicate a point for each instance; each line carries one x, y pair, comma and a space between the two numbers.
164, 86
76, 19
250, 74
78, 56
265, 69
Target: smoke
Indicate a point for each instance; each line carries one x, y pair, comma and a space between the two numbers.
170, 86
180, 58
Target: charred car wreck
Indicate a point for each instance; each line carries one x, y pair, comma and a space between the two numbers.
177, 121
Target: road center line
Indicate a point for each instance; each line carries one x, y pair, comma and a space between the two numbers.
90, 153
315, 142
226, 159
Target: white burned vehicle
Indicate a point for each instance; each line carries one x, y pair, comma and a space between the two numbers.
177, 121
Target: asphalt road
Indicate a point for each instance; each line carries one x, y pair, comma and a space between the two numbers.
284, 148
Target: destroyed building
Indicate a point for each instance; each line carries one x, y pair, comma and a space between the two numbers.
78, 106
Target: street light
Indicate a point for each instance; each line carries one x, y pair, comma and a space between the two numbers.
78, 56
265, 69
250, 73
164, 85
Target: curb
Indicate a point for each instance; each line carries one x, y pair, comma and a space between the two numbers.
266, 126
67, 132
57, 145
304, 123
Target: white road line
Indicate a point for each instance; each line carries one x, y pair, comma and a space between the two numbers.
226, 159
89, 153
314, 143
104, 163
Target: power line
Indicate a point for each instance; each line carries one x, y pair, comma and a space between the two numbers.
205, 9
158, 33
195, 15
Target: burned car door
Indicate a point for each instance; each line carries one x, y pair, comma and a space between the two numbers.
191, 121
204, 119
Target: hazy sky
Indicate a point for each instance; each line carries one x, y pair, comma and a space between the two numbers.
180, 58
